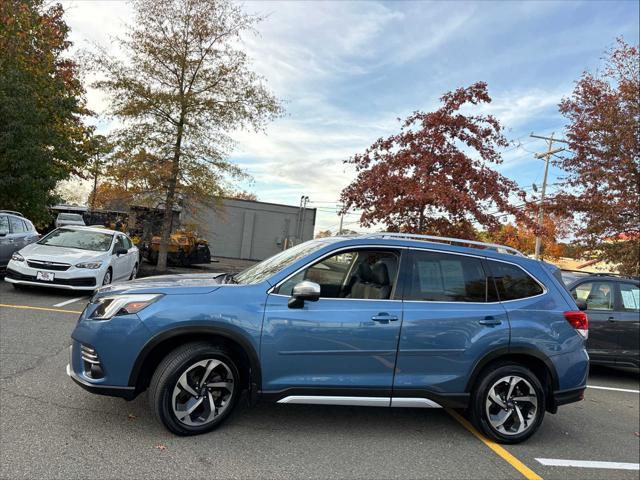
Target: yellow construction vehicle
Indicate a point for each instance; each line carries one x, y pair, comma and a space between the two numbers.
185, 248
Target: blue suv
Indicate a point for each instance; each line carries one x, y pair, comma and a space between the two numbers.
387, 320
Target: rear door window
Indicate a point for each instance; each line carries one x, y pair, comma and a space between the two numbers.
512, 282
4, 224
630, 297
443, 277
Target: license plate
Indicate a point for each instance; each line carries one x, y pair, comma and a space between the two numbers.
45, 276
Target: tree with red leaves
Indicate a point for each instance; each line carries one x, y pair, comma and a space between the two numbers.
603, 177
434, 176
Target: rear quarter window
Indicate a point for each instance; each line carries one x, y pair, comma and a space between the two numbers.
512, 282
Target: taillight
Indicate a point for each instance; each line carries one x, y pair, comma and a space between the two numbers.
579, 321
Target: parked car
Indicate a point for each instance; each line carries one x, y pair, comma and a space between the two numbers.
68, 219
387, 320
15, 232
612, 304
75, 258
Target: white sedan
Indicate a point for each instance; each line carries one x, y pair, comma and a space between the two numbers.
75, 258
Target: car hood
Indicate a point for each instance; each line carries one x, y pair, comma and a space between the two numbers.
185, 284
59, 254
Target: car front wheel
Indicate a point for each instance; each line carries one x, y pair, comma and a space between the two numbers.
508, 403
194, 389
108, 276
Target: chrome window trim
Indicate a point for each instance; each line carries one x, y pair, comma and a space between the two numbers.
335, 252
545, 290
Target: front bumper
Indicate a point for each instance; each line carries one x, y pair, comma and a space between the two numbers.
128, 393
72, 279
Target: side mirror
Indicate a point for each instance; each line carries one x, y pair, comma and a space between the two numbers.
582, 305
304, 291
4, 233
121, 251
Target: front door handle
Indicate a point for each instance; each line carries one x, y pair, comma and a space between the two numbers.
611, 319
491, 321
384, 318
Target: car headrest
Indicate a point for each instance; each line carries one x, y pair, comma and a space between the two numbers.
364, 273
380, 273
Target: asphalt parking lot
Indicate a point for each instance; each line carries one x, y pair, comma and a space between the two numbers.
51, 428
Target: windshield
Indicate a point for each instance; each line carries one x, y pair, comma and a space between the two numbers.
272, 265
82, 239
70, 216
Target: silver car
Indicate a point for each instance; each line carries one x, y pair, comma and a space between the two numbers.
67, 219
16, 232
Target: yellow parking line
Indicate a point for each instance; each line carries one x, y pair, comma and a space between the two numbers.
497, 449
28, 307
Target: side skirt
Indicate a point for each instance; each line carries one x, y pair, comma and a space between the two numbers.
366, 398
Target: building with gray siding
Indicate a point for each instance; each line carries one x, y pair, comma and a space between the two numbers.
247, 229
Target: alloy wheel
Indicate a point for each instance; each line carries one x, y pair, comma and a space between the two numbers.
203, 392
511, 405
107, 278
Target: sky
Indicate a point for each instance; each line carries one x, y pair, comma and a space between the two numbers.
346, 71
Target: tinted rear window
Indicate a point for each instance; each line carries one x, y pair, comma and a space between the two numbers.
512, 282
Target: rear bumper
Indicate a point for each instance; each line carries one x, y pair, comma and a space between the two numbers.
564, 397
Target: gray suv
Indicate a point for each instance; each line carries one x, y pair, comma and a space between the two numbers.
16, 232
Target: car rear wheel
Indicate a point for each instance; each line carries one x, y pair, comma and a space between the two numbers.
508, 403
194, 389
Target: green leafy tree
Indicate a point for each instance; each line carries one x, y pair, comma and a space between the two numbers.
184, 84
42, 135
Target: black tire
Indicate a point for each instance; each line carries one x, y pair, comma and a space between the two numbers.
167, 375
478, 410
109, 273
134, 272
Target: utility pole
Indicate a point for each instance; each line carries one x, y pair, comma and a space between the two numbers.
305, 200
546, 156
341, 219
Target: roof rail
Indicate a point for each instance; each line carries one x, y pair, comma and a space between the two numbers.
459, 241
13, 212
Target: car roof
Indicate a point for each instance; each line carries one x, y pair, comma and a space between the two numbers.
600, 278
431, 245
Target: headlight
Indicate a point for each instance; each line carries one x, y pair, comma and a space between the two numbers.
108, 307
16, 257
91, 265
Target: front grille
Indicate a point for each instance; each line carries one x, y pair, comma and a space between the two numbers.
92, 365
42, 265
75, 282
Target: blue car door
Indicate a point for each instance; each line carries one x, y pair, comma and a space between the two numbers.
344, 343
451, 318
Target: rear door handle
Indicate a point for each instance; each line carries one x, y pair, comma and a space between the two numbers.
490, 321
384, 318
